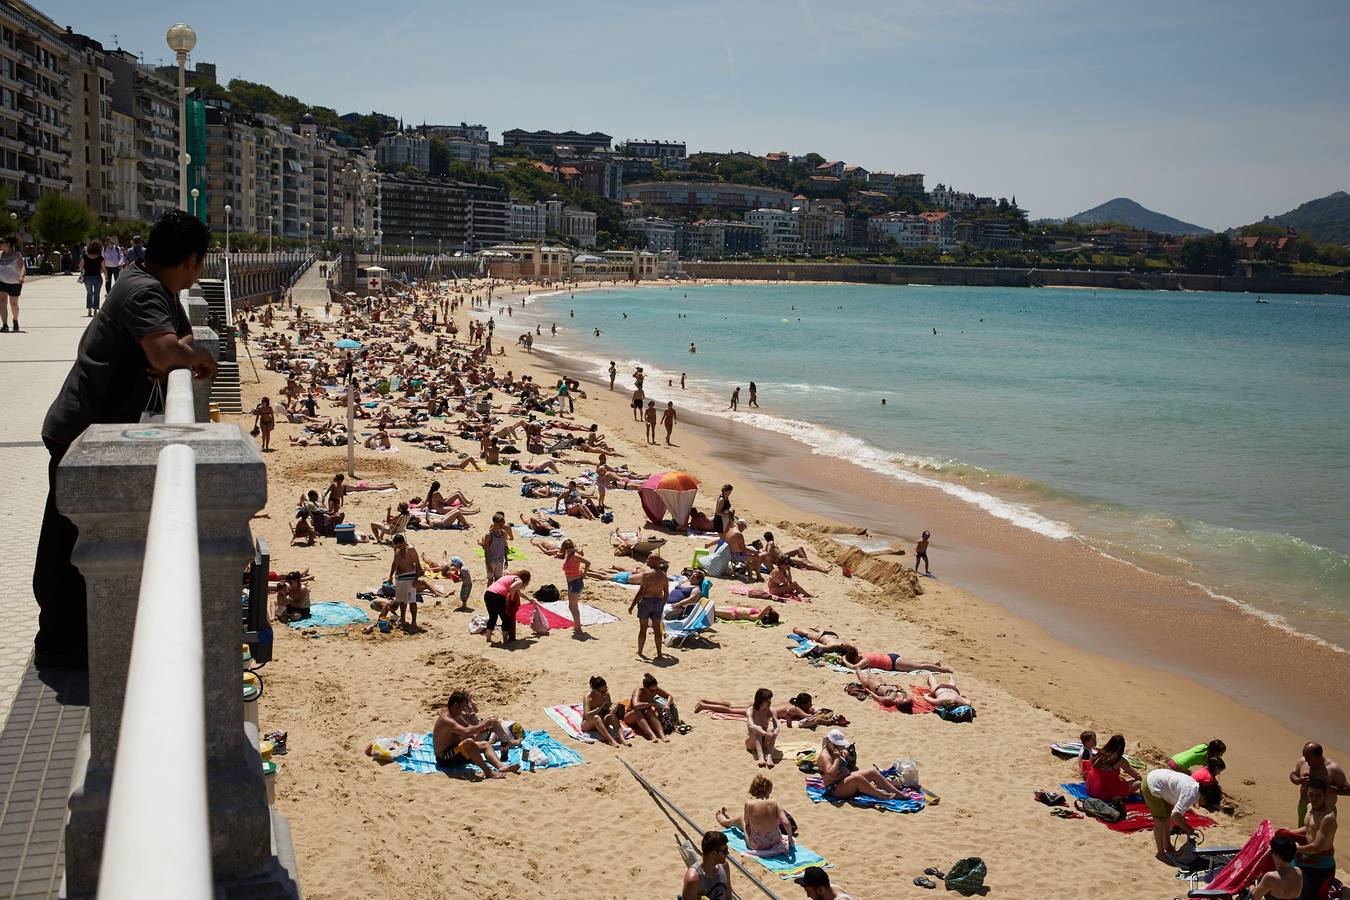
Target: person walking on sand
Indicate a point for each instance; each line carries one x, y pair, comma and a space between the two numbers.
754, 396
496, 546
637, 403
649, 417
668, 420
652, 591
613, 369
921, 553
264, 420
735, 400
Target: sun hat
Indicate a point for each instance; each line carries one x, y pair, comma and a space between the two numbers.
456, 561
836, 737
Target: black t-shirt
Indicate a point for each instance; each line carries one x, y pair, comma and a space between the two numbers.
108, 382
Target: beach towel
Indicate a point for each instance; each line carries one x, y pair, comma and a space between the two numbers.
806, 648
920, 702
512, 554
1137, 816
730, 717
1251, 862
568, 717
787, 864
590, 615
525, 532
421, 756
331, 615
912, 800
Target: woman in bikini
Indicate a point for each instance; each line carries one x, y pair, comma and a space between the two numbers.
946, 694
1108, 775
597, 714
762, 727
766, 614
767, 827
843, 783
829, 642
641, 713
888, 694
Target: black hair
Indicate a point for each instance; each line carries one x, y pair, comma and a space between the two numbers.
1318, 783
1215, 748
801, 701
597, 683
175, 237
649, 680
762, 695
713, 841
456, 699
1283, 846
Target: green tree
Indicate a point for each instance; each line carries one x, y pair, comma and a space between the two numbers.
61, 219
1213, 254
440, 158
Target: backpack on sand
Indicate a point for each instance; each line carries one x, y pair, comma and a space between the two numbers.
967, 875
1100, 809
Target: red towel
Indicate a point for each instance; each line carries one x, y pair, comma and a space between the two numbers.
526, 611
1138, 818
921, 703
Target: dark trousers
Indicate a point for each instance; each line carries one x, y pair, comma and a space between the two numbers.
496, 607
63, 630
113, 273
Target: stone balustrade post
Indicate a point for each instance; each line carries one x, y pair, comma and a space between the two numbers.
105, 486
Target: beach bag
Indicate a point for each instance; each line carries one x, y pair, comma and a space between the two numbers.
1101, 810
957, 713
477, 625
907, 772
806, 761
966, 875
547, 593
385, 750
669, 717
154, 406
538, 624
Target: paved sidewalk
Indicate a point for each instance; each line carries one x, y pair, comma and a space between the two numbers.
33, 364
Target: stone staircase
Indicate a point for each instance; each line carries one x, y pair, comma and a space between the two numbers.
225, 389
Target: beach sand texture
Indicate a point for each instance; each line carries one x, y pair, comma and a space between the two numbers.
365, 830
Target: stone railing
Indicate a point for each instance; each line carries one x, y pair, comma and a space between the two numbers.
257, 277
126, 487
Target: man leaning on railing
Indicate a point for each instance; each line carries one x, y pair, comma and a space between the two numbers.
140, 334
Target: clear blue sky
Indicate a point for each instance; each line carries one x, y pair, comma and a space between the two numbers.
1214, 112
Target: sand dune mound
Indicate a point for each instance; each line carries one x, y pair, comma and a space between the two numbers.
885, 571
486, 682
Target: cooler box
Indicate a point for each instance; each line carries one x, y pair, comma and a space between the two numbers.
345, 534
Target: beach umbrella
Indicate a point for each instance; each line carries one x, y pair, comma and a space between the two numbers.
348, 344
668, 492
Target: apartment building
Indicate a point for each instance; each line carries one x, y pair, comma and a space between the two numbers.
693, 196
152, 103
93, 171
655, 149
545, 141
35, 131
397, 150
781, 233
420, 212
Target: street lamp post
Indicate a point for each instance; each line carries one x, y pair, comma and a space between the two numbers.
182, 39
305, 227
269, 235
229, 214
195, 195
413, 238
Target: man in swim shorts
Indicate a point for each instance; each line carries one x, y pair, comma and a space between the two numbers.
921, 553
404, 571
650, 600
455, 744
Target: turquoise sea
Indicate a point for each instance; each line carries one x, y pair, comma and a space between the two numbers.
1199, 434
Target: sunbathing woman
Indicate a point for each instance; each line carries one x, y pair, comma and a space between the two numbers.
945, 694
438, 503
829, 642
797, 710
840, 782
768, 829
780, 586
541, 525
534, 468
796, 557
888, 694
616, 574
597, 714
768, 615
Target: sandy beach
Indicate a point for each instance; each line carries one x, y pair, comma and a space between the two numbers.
362, 829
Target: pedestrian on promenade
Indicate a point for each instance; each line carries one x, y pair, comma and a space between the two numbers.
91, 273
139, 335
12, 274
113, 259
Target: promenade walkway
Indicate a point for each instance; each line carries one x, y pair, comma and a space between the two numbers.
312, 288
42, 718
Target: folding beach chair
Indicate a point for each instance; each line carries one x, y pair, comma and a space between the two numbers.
699, 620
1250, 863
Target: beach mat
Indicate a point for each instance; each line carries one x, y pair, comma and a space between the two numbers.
421, 756
331, 615
730, 717
787, 864
804, 648
568, 717
914, 799
590, 615
1078, 791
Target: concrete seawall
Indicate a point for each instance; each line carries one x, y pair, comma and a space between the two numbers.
972, 276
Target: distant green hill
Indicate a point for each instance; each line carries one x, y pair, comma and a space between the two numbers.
1127, 212
1325, 220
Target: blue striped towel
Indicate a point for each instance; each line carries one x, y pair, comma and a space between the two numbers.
914, 800
421, 757
331, 615
788, 864
1078, 790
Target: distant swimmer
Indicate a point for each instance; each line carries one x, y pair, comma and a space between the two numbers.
571, 314
555, 327
692, 348
625, 315
537, 331
598, 332
883, 401
921, 553
934, 331
681, 381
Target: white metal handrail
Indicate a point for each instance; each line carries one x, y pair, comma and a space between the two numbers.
158, 841
179, 407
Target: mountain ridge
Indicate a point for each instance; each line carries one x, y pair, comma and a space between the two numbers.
1325, 219
1132, 213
